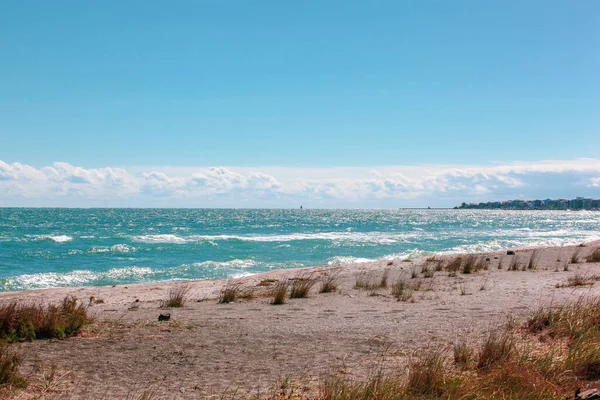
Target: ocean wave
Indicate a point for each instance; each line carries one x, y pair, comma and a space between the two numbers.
237, 263
122, 248
338, 260
163, 238
75, 278
55, 238
240, 275
354, 237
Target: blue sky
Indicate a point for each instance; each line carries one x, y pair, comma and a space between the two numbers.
285, 89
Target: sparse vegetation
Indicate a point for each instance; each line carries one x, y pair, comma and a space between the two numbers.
497, 348
454, 265
329, 283
401, 290
177, 297
468, 265
579, 280
514, 264
301, 285
383, 283
533, 258
9, 363
426, 375
462, 354
594, 257
279, 292
229, 293
20, 322
575, 255
367, 282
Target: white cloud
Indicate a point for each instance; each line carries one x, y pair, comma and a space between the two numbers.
63, 184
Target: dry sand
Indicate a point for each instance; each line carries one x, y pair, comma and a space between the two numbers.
254, 347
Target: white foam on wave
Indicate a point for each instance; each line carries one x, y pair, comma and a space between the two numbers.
162, 238
240, 275
122, 248
73, 278
55, 238
236, 263
338, 260
406, 255
129, 272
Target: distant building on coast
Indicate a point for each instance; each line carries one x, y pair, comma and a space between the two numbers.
580, 203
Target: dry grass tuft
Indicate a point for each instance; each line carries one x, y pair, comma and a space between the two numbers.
462, 355
575, 255
279, 292
454, 265
496, 348
9, 363
20, 322
230, 292
514, 263
533, 259
329, 283
177, 297
402, 290
426, 375
594, 257
579, 280
301, 285
367, 282
469, 264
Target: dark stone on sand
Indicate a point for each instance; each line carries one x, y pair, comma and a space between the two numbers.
164, 317
510, 253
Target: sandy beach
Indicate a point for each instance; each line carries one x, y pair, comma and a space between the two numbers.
252, 347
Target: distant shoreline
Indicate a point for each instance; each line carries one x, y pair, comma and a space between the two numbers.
577, 204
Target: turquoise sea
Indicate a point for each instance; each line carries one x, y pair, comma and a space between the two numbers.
45, 248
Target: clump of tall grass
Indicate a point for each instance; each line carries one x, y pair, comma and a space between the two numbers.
496, 348
426, 376
402, 290
9, 364
514, 264
575, 255
579, 280
279, 292
329, 283
177, 297
454, 265
368, 282
594, 257
571, 321
533, 258
35, 321
230, 293
301, 285
469, 264
462, 354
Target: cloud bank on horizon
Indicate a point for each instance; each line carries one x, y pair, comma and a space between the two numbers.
64, 185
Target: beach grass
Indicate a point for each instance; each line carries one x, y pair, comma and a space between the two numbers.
178, 295
25, 322
301, 285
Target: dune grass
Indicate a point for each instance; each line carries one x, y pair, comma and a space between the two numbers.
177, 297
24, 322
329, 283
9, 364
301, 285
280, 292
594, 257
553, 352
